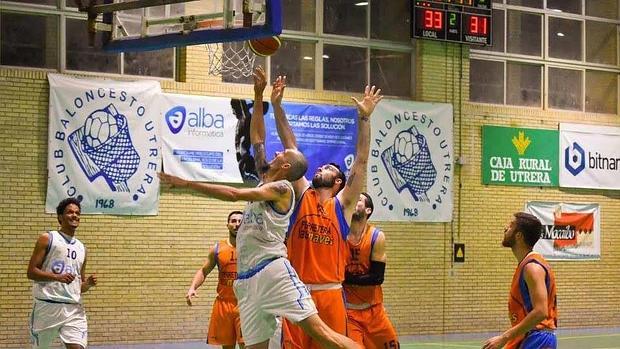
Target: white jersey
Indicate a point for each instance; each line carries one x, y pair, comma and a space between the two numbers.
64, 255
262, 232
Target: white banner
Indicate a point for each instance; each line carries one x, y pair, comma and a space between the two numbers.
103, 145
410, 168
199, 138
589, 156
570, 231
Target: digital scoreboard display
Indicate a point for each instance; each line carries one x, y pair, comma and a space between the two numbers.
466, 21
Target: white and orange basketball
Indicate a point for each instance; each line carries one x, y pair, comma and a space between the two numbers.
265, 46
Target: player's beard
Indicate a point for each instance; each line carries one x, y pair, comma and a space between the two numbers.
509, 240
358, 216
322, 182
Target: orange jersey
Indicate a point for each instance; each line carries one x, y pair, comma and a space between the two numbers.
317, 238
226, 261
358, 263
520, 304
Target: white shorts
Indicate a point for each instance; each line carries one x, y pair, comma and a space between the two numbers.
267, 292
51, 320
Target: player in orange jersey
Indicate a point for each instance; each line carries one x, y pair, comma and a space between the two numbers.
532, 303
225, 326
317, 237
367, 320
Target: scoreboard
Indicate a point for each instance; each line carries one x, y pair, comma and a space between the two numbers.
465, 21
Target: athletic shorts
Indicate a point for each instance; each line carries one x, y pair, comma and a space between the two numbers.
372, 328
51, 320
330, 304
539, 340
269, 290
225, 325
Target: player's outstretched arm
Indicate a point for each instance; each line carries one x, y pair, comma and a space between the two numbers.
278, 192
350, 194
199, 277
284, 129
35, 272
257, 123
534, 275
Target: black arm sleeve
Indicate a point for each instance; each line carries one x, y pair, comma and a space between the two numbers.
374, 276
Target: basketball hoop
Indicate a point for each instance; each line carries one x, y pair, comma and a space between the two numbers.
230, 58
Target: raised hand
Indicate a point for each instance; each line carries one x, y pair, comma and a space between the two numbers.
278, 90
260, 80
367, 105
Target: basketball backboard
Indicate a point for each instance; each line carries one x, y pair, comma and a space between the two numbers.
141, 25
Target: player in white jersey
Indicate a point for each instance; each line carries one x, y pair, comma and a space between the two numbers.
267, 286
57, 267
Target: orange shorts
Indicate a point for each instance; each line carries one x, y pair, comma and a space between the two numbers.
330, 304
372, 328
225, 325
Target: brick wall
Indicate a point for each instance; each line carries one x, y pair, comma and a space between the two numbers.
145, 264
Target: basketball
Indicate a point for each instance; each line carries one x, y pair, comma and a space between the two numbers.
264, 46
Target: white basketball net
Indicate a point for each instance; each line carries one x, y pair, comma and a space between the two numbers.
233, 59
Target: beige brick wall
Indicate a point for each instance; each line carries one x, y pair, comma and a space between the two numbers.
144, 264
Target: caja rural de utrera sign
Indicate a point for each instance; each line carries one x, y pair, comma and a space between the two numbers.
519, 156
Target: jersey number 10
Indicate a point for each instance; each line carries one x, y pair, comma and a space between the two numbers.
71, 254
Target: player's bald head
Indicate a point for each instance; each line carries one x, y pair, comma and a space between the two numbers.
298, 162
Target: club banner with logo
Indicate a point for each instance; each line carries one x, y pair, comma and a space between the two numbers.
519, 156
589, 156
410, 168
570, 231
198, 135
104, 145
324, 134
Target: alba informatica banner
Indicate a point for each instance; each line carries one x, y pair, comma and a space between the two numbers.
589, 156
411, 162
570, 231
199, 138
104, 145
324, 134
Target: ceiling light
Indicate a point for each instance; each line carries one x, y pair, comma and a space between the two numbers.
308, 58
326, 56
362, 3
560, 34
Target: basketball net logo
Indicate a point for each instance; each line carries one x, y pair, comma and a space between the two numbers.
103, 147
408, 163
